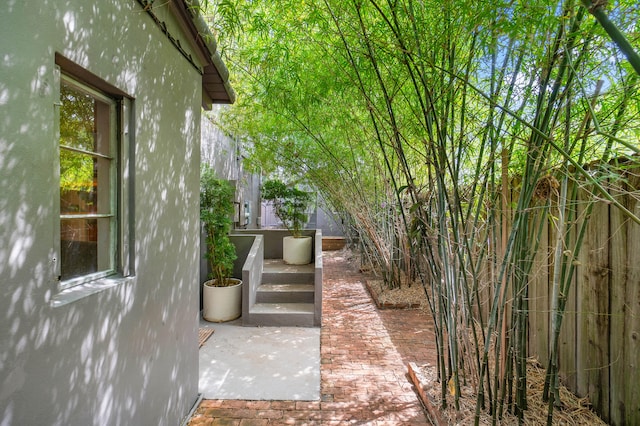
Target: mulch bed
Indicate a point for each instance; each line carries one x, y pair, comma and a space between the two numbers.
400, 298
574, 411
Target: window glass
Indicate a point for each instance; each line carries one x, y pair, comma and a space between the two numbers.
87, 195
78, 194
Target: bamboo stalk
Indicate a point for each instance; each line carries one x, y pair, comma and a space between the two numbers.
597, 10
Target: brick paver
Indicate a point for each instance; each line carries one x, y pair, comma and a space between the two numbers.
363, 372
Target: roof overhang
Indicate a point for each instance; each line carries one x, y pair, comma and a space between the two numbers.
216, 88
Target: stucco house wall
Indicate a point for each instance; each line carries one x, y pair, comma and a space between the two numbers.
124, 353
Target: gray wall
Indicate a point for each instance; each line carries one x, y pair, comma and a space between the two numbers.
127, 355
225, 154
319, 218
273, 240
218, 150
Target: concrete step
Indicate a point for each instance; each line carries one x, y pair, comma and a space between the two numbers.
276, 271
283, 314
285, 293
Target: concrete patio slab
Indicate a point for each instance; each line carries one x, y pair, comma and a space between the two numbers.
260, 363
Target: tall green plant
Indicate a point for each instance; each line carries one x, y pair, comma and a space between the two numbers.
290, 204
216, 211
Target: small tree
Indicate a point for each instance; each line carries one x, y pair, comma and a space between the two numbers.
216, 210
290, 204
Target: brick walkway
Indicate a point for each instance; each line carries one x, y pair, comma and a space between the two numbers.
364, 356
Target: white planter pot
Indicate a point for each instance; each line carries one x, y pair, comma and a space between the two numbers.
296, 251
220, 304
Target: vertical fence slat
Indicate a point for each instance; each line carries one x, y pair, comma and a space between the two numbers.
580, 388
593, 319
539, 300
632, 312
618, 251
567, 343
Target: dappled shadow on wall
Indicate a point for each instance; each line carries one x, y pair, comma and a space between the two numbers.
220, 151
110, 357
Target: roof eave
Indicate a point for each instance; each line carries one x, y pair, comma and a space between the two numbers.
216, 88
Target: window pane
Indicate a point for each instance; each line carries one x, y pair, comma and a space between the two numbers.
83, 250
79, 247
78, 184
77, 119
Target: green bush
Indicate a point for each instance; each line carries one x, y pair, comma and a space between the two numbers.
290, 204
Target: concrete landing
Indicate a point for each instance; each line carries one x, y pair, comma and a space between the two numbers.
278, 266
260, 363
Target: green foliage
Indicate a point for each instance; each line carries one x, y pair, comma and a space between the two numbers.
410, 117
290, 204
76, 131
216, 211
76, 172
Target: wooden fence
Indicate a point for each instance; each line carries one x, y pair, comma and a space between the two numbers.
599, 348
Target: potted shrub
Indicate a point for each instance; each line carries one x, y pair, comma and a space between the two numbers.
290, 206
222, 294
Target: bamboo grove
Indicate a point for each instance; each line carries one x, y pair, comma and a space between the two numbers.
446, 134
